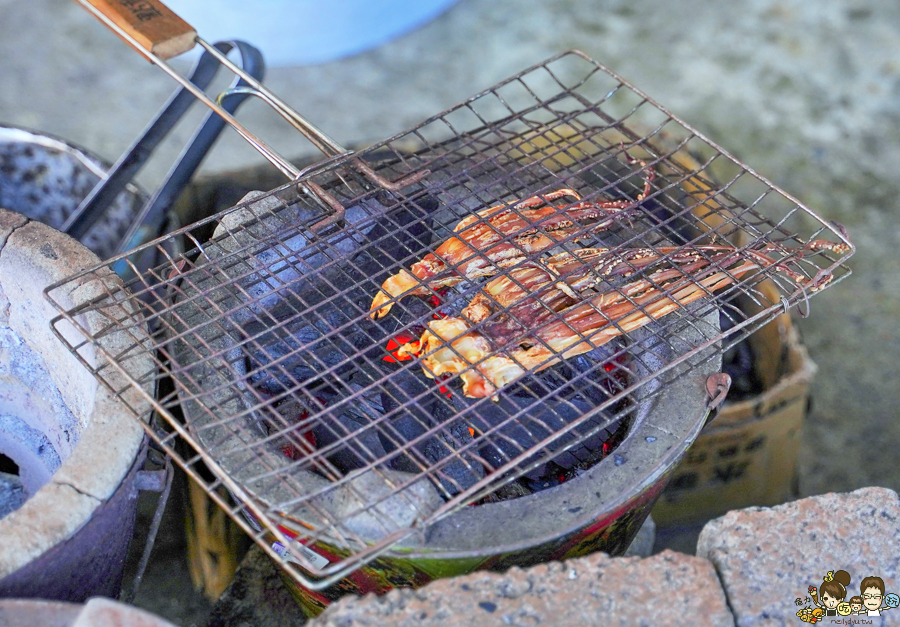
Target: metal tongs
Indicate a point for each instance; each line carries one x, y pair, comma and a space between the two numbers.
158, 34
151, 220
202, 74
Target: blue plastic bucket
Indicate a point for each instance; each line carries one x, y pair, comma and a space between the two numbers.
302, 32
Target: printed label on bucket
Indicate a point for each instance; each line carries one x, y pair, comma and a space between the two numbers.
314, 558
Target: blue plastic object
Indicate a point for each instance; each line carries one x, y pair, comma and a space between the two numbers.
304, 32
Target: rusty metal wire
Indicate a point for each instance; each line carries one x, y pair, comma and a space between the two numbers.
271, 379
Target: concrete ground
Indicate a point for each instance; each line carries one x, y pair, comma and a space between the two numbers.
806, 93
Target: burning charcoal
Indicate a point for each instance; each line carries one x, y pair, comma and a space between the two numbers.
552, 478
407, 321
12, 493
331, 298
275, 379
538, 406
526, 422
455, 475
364, 447
419, 416
344, 426
567, 391
280, 361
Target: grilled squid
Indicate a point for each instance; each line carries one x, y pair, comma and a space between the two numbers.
566, 321
492, 237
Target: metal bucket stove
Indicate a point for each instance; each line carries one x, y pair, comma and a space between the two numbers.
600, 508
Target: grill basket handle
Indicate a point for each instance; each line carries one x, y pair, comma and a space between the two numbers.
150, 23
158, 34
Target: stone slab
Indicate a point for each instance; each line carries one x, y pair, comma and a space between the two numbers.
666, 589
23, 613
768, 557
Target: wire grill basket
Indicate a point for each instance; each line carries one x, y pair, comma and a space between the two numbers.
271, 379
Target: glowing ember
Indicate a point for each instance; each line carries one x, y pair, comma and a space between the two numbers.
412, 345
395, 343
292, 451
435, 302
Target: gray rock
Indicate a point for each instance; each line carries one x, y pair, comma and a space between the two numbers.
666, 589
768, 557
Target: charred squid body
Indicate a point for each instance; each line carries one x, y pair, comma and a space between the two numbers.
546, 319
498, 234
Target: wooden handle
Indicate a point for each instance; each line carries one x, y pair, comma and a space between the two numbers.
151, 23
